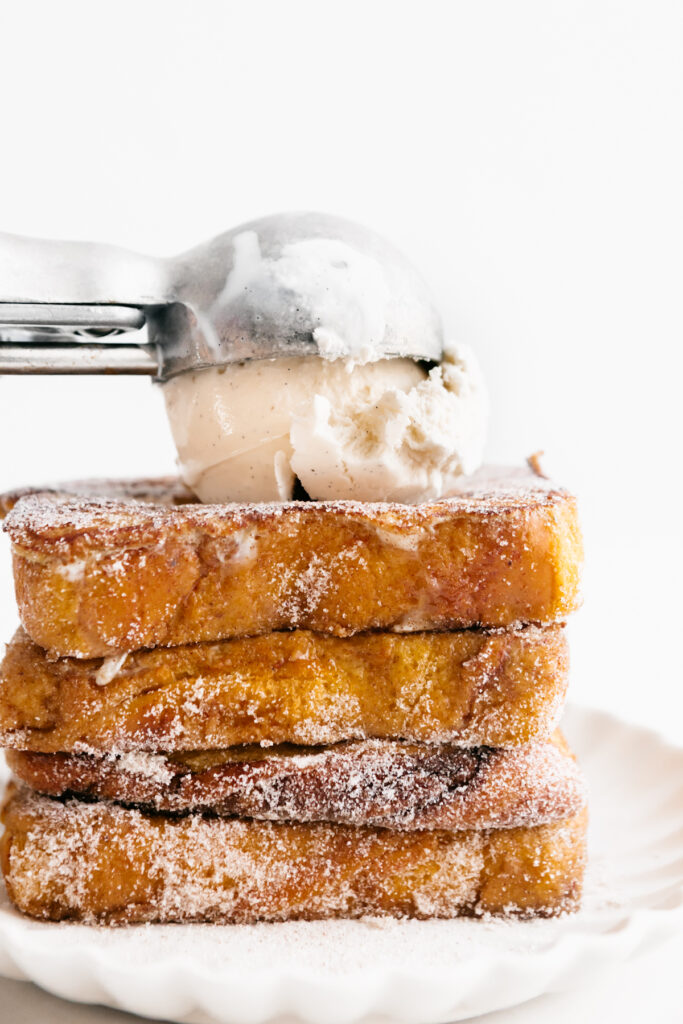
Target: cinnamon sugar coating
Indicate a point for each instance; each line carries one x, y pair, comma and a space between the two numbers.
98, 862
101, 575
160, 490
384, 783
471, 687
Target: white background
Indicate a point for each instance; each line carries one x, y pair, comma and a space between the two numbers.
526, 155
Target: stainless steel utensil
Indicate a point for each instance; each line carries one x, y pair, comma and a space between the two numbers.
79, 307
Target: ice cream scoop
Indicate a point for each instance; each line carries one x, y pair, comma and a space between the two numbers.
296, 346
292, 284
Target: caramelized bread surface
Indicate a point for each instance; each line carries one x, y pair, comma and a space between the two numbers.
385, 783
98, 862
470, 687
104, 574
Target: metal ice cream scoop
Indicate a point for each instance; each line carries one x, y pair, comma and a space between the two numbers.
294, 284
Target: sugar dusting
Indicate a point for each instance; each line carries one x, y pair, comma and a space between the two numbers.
179, 573
295, 686
151, 767
104, 506
374, 782
230, 870
339, 949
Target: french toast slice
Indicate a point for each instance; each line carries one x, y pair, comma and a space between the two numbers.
99, 862
501, 689
385, 783
101, 575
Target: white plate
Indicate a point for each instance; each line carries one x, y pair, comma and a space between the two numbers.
414, 972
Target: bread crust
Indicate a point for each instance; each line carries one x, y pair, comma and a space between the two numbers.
471, 688
159, 490
385, 783
103, 863
98, 576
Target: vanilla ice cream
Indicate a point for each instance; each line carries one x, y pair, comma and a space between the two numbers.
380, 431
331, 322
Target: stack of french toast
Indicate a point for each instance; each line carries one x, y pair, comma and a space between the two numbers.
236, 713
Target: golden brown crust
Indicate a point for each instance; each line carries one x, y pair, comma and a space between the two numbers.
473, 688
100, 576
385, 783
160, 490
100, 862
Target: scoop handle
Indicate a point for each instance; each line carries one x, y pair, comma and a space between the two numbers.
58, 358
62, 302
35, 270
